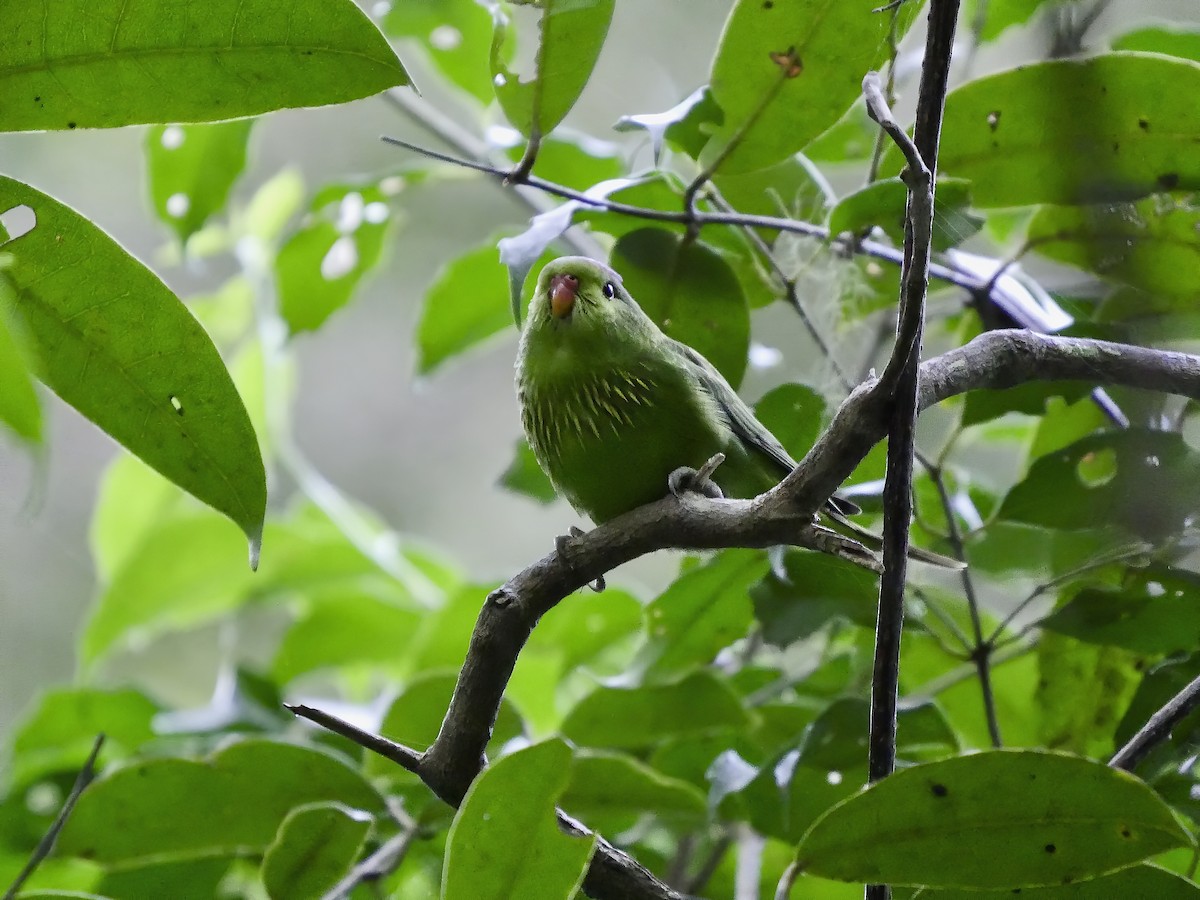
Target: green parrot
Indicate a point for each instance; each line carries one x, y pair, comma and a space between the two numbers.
615, 411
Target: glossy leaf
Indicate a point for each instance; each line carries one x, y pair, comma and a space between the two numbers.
505, 841
1155, 610
525, 476
185, 879
239, 58
341, 240
641, 716
690, 292
1045, 819
116, 344
1124, 135
192, 168
610, 791
1145, 481
1174, 41
1000, 15
132, 500
793, 413
1153, 245
20, 408
316, 846
231, 803
785, 71
815, 589
703, 611
456, 34
462, 308
570, 36
1138, 881
587, 626
678, 121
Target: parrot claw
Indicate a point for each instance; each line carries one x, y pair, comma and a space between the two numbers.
697, 481
562, 548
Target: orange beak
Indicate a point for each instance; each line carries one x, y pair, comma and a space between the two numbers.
562, 295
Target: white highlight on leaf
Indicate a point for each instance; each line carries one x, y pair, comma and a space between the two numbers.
764, 357
350, 213
375, 212
502, 135
1154, 589
178, 205
172, 137
340, 259
445, 37
833, 777
499, 80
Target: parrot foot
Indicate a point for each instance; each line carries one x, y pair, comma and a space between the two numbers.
563, 548
829, 541
697, 481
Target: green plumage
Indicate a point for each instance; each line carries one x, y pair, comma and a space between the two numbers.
611, 405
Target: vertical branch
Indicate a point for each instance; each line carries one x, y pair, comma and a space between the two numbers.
900, 376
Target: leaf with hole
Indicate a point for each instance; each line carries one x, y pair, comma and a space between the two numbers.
114, 342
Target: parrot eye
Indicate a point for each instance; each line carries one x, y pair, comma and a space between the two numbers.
610, 290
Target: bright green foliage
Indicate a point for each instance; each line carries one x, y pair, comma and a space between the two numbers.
787, 70
192, 169
314, 847
1125, 137
115, 343
716, 703
505, 842
570, 36
235, 58
1044, 819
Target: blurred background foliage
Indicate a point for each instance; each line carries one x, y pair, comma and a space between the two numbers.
357, 297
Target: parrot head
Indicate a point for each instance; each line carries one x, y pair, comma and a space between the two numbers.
580, 294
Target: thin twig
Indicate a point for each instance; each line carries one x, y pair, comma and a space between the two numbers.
699, 219
1158, 728
385, 860
708, 867
402, 756
46, 844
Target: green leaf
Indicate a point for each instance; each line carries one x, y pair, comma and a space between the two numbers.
20, 408
610, 791
793, 413
571, 34
456, 35
117, 345
1077, 721
1173, 40
186, 571
1153, 245
1029, 398
586, 625
1160, 684
525, 476
642, 716
787, 70
817, 589
316, 846
575, 160
351, 626
1138, 881
463, 307
690, 292
340, 241
1045, 820
237, 58
192, 168
230, 803
703, 611
680, 123
505, 841
883, 203
1155, 610
187, 879
1145, 481
1124, 135
131, 501
999, 15
58, 733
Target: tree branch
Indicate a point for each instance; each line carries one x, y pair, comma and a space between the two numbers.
46, 844
1158, 728
783, 515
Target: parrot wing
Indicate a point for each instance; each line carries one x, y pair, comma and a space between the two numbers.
749, 430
